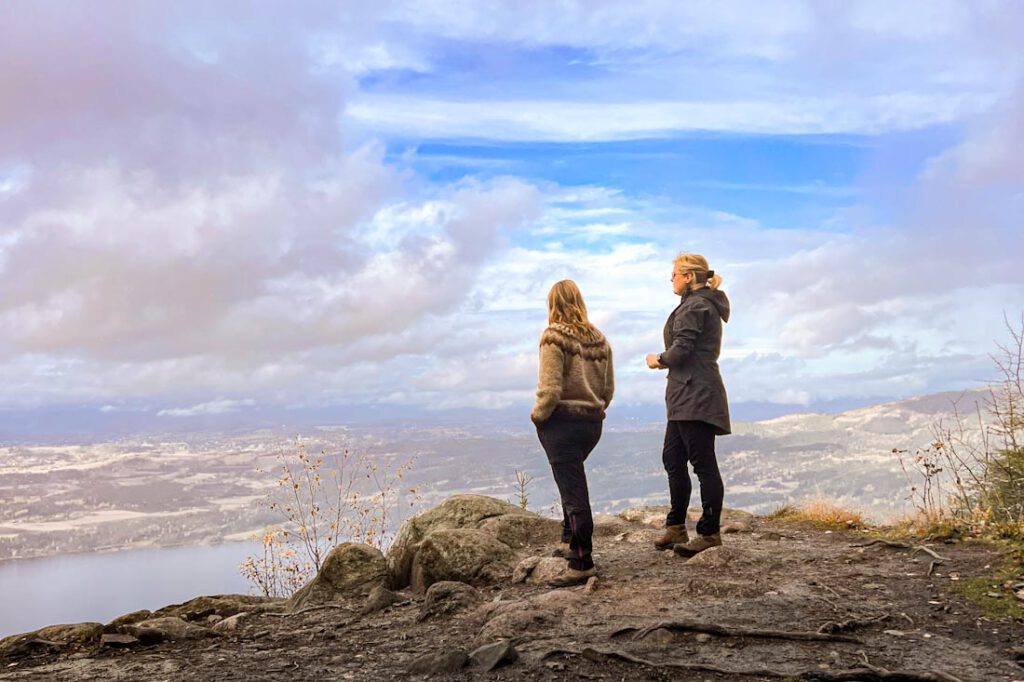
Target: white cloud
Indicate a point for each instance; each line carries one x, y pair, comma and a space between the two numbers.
545, 120
209, 408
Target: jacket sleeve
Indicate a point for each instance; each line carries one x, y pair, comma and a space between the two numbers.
549, 383
686, 327
609, 380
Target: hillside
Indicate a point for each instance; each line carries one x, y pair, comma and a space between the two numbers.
779, 600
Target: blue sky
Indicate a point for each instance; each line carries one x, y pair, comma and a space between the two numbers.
207, 210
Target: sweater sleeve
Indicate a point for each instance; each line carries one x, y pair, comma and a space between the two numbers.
609, 380
549, 383
686, 327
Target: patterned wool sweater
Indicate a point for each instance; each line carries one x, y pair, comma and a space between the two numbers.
576, 375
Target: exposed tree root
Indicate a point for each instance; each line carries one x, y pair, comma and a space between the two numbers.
865, 673
852, 624
732, 631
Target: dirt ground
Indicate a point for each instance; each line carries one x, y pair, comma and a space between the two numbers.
777, 601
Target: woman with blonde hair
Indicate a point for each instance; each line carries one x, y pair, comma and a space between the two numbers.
698, 408
574, 389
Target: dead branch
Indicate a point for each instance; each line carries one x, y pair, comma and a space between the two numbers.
929, 552
867, 673
731, 631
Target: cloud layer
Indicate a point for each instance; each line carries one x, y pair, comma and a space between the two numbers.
215, 207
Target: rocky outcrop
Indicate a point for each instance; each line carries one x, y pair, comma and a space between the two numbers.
497, 522
223, 605
349, 569
51, 639
167, 629
463, 555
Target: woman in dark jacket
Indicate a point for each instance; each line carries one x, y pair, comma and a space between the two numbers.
698, 409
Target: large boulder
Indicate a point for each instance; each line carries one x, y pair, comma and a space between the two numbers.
509, 524
461, 554
350, 570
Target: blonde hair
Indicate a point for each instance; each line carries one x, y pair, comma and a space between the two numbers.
698, 265
566, 306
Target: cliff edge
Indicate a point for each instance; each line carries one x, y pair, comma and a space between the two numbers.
462, 593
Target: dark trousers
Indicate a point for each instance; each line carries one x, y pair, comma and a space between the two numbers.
693, 442
567, 443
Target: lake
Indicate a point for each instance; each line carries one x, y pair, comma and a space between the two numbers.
99, 587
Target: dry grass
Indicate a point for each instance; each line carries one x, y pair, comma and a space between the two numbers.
820, 514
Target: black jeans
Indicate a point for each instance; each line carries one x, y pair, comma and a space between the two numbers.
567, 443
693, 442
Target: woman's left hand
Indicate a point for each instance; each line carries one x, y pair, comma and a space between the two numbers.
654, 362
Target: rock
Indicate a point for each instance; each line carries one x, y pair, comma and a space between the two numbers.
213, 619
719, 557
349, 570
517, 619
648, 516
448, 597
168, 629
462, 554
380, 598
439, 662
557, 599
77, 635
610, 525
703, 637
770, 536
491, 656
591, 585
735, 527
26, 644
128, 619
51, 639
458, 511
538, 570
523, 530
229, 624
222, 605
117, 641
1019, 594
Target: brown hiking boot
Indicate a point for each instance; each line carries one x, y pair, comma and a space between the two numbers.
674, 535
698, 545
573, 576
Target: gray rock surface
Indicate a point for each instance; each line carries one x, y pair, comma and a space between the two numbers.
350, 569
461, 554
456, 512
491, 656
167, 629
448, 597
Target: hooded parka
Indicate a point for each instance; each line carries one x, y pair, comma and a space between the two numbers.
693, 341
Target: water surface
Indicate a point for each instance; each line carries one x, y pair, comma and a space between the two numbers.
99, 587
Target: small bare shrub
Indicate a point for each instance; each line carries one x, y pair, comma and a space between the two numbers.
971, 478
523, 480
323, 500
